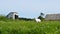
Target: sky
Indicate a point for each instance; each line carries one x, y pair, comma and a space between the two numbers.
29, 8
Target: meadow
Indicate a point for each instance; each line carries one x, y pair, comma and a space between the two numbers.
9, 26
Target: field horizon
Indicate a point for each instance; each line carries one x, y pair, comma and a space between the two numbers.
9, 26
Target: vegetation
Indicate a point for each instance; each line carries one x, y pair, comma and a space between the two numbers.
41, 16
9, 26
26, 19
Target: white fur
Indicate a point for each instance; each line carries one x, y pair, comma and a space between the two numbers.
37, 20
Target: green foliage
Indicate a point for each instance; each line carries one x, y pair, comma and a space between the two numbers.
8, 26
4, 18
41, 16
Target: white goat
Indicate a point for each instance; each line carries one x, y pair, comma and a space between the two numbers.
37, 20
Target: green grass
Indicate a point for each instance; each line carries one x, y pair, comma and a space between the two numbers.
9, 26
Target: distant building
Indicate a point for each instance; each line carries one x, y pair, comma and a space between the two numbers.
12, 15
52, 17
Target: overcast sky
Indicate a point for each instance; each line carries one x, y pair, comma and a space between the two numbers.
29, 8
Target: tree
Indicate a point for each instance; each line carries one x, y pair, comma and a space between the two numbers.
41, 16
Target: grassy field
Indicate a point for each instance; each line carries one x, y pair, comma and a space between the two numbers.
9, 26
